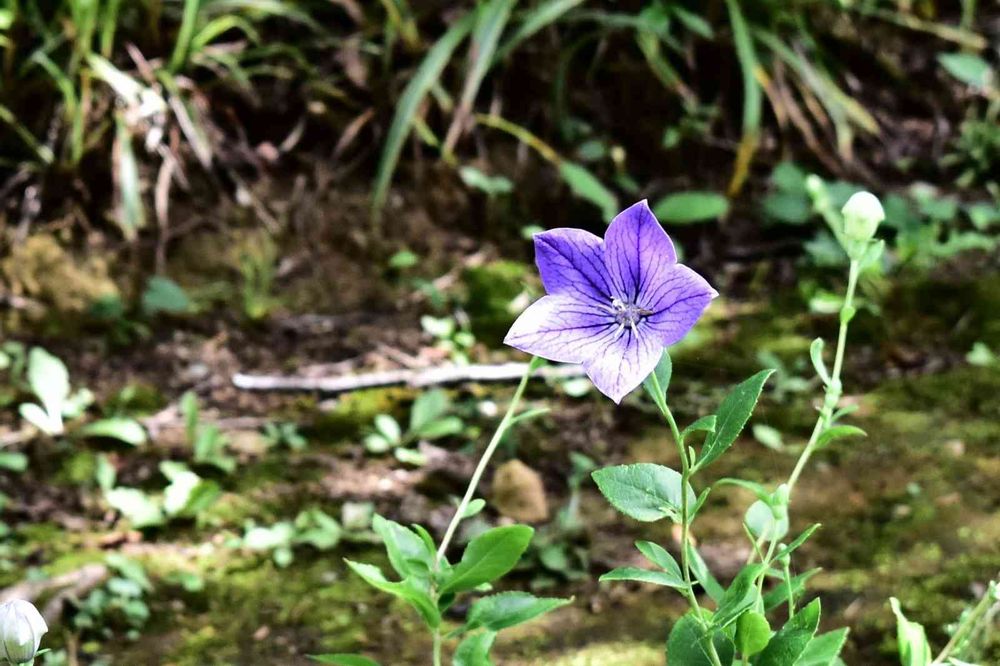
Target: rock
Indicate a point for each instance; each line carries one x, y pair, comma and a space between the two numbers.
518, 493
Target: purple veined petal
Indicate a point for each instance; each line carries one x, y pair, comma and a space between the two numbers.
636, 248
562, 329
622, 364
571, 262
677, 298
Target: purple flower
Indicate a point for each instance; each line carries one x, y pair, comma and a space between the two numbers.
612, 305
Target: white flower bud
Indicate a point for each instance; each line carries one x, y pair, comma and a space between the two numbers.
21, 630
862, 215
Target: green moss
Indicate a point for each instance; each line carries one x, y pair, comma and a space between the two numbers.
490, 291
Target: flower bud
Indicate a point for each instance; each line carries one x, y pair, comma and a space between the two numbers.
862, 215
21, 630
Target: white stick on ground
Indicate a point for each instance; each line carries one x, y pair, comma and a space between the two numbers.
417, 378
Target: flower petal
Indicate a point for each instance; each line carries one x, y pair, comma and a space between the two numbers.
562, 329
623, 363
571, 262
636, 248
676, 297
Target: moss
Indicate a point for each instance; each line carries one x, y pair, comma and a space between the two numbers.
491, 289
354, 412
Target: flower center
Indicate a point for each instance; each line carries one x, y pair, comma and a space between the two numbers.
628, 314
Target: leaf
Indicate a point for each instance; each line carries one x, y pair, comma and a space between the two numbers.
405, 590
787, 646
645, 576
824, 649
164, 295
643, 491
914, 650
703, 574
488, 557
799, 540
688, 207
408, 554
838, 432
49, 381
968, 68
764, 524
343, 659
427, 408
779, 595
491, 185
446, 427
136, 506
473, 508
388, 427
475, 650
733, 414
586, 186
533, 20
752, 633
14, 461
686, 646
122, 428
704, 424
660, 557
426, 76
740, 595
661, 374
508, 609
38, 417
816, 355
130, 214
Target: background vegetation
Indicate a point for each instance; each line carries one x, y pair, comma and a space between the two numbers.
190, 190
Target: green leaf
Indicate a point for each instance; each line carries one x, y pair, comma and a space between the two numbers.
427, 408
586, 186
704, 424
914, 650
533, 20
426, 76
14, 461
767, 522
661, 374
824, 649
816, 355
475, 650
508, 609
164, 295
838, 432
968, 68
406, 590
491, 185
779, 595
799, 540
686, 644
388, 427
122, 428
343, 659
787, 646
408, 554
49, 381
449, 425
740, 596
733, 414
488, 557
136, 506
645, 576
752, 633
131, 213
643, 491
660, 557
689, 207
704, 574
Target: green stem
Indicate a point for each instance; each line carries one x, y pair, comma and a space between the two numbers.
437, 647
685, 522
833, 388
470, 492
966, 628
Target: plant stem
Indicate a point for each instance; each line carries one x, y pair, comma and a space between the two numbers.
502, 428
833, 388
685, 522
967, 627
437, 647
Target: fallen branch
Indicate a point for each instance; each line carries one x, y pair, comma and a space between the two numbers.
416, 378
71, 585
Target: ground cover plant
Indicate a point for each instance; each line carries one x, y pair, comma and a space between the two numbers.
327, 334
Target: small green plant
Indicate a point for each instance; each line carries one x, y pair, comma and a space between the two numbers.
258, 268
185, 497
311, 527
284, 434
208, 443
429, 420
450, 336
120, 603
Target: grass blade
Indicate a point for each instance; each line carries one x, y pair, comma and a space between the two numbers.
406, 110
534, 20
490, 22
190, 15
131, 216
752, 98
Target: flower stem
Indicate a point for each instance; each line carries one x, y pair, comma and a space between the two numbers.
437, 647
685, 521
833, 388
502, 428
